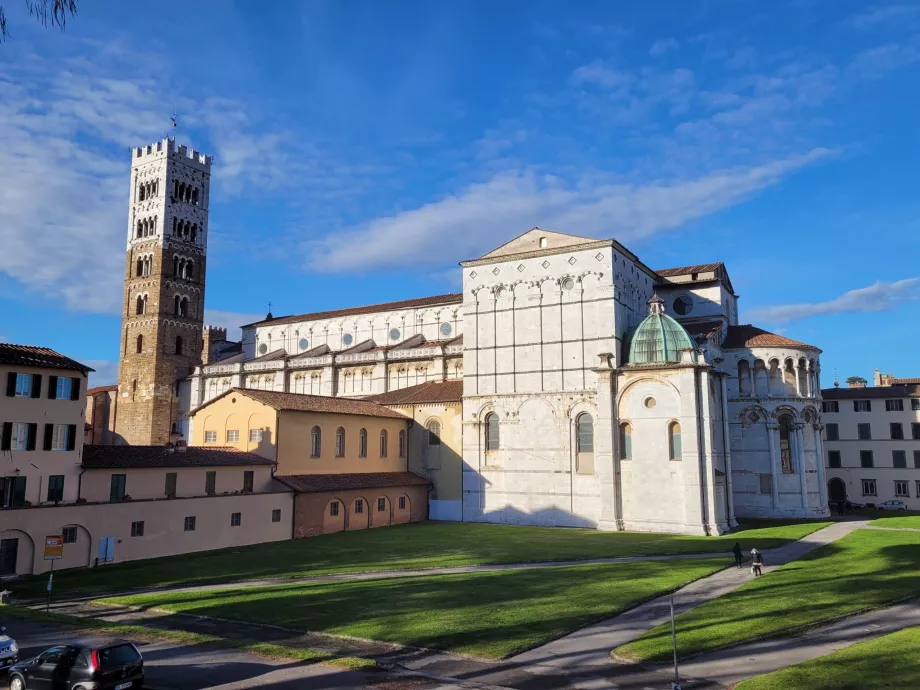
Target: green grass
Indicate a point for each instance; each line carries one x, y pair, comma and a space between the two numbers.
424, 545
490, 614
898, 520
885, 662
866, 569
147, 634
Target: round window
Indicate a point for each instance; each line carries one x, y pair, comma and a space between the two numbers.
501, 293
347, 338
568, 284
446, 329
394, 334
263, 348
683, 305
650, 403
303, 343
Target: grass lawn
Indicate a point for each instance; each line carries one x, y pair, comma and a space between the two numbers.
886, 662
424, 545
898, 520
489, 614
866, 569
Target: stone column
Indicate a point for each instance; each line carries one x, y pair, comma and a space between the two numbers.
822, 481
774, 463
808, 382
726, 435
606, 462
798, 381
328, 381
708, 454
798, 459
236, 378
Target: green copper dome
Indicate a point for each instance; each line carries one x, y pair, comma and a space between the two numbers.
659, 338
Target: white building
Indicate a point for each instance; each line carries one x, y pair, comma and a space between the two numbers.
585, 403
873, 441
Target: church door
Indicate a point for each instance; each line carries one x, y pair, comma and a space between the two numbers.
837, 490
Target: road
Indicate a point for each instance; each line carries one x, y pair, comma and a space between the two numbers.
199, 667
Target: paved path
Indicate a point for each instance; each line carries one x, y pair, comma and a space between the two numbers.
582, 659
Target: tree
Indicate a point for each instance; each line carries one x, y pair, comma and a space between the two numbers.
851, 380
53, 12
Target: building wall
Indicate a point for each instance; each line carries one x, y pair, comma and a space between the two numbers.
37, 465
242, 414
150, 483
312, 514
294, 444
101, 412
884, 473
164, 532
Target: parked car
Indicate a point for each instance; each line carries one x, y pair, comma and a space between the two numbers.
96, 665
844, 506
9, 650
892, 505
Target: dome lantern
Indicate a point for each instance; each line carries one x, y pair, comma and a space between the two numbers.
659, 339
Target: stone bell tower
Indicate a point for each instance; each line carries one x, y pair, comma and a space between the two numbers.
161, 335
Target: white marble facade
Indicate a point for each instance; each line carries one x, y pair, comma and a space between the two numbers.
540, 336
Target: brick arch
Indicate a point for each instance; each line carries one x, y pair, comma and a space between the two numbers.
358, 520
334, 523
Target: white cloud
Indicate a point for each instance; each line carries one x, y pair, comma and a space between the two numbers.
883, 15
105, 374
230, 320
662, 46
880, 296
596, 74
466, 224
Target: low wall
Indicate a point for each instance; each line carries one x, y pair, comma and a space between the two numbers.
164, 528
312, 515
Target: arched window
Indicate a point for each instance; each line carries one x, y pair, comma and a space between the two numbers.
178, 344
362, 443
195, 196
140, 304
340, 442
140, 229
675, 449
402, 444
183, 307
140, 344
316, 439
133, 390
140, 193
434, 433
383, 444
785, 444
584, 433
188, 270
178, 302
140, 267
175, 226
176, 266
175, 189
491, 425
194, 233
625, 441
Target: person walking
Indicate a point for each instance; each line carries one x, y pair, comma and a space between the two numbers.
739, 556
756, 563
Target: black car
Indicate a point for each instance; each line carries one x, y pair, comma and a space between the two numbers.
111, 665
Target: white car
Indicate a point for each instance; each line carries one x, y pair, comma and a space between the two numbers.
9, 650
892, 505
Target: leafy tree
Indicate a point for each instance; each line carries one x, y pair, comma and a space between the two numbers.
855, 379
45, 12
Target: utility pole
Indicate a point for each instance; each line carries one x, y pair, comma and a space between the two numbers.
675, 685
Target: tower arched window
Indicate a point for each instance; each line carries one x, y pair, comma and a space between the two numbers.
140, 229
316, 440
133, 390
140, 267
195, 196
189, 270
785, 444
175, 189
183, 306
625, 441
175, 226
675, 448
584, 433
491, 428
178, 344
140, 192
383, 444
194, 236
141, 304
362, 443
140, 344
340, 442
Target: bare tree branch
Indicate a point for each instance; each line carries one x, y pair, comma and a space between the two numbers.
45, 12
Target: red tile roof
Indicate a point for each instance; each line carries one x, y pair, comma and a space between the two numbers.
451, 298
41, 357
101, 389
750, 336
298, 402
429, 392
310, 483
687, 270
904, 382
105, 457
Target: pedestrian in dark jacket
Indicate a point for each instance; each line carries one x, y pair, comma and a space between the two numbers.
756, 563
739, 557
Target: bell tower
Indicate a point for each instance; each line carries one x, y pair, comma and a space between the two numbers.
163, 310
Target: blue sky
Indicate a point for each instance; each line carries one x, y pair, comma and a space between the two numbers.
362, 149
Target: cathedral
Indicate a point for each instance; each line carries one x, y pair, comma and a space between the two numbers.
595, 391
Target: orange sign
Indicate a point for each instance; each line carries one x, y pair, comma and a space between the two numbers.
54, 547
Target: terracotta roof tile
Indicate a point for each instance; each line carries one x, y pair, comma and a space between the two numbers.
686, 270
268, 356
429, 392
905, 382
751, 336
103, 457
706, 328
309, 483
101, 389
451, 298
298, 402
42, 357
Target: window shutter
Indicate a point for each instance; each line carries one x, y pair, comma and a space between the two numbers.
49, 435
30, 438
7, 436
855, 406
52, 387
11, 384
71, 436
36, 385
74, 388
